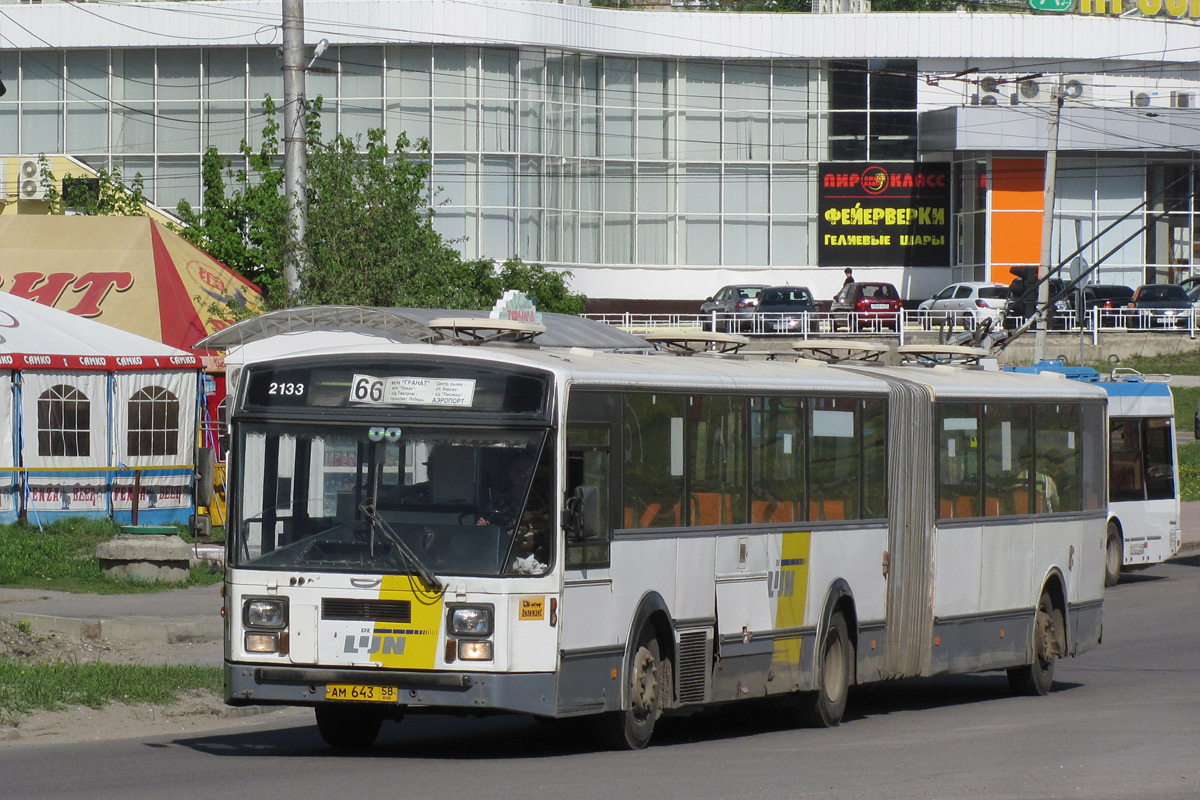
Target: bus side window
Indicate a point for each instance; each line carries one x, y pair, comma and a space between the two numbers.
1058, 458
1160, 467
588, 465
959, 464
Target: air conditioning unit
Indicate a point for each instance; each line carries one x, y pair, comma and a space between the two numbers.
992, 91
1043, 91
29, 180
1181, 100
1141, 99
1077, 88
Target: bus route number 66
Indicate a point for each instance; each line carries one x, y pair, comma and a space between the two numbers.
366, 389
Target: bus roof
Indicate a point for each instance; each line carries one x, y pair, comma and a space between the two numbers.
716, 373
954, 382
321, 326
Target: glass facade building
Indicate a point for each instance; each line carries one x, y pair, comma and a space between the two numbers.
556, 157
649, 175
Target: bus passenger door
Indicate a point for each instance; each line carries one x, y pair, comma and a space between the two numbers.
590, 643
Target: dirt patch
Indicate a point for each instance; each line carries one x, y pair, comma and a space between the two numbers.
21, 643
193, 712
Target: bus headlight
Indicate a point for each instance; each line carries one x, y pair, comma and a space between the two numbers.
474, 650
471, 621
261, 642
265, 612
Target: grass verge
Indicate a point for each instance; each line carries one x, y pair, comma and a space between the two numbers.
25, 688
1189, 471
1182, 362
62, 557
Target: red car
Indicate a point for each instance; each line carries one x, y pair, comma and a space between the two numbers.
874, 306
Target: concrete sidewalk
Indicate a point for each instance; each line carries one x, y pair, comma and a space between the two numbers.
173, 617
194, 615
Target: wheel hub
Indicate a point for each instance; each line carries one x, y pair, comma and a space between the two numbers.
645, 683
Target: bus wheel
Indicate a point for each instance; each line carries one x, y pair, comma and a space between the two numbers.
824, 707
631, 728
1048, 638
1114, 555
347, 727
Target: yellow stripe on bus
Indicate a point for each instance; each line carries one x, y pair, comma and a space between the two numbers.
791, 589
411, 645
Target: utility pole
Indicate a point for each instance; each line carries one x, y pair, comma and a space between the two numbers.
295, 139
1043, 295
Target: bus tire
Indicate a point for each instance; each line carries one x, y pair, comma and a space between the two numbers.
1035, 679
347, 727
824, 707
631, 728
1114, 554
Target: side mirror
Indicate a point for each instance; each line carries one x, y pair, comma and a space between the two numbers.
583, 512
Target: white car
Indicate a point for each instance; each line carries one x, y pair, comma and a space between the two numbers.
968, 303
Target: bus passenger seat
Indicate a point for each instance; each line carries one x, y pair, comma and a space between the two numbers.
965, 506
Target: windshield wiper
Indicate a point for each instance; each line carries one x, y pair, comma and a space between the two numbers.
407, 558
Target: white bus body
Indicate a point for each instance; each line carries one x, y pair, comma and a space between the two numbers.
1144, 513
763, 529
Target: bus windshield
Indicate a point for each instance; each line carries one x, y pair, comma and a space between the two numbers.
411, 500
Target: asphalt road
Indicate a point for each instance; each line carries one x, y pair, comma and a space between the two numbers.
1122, 722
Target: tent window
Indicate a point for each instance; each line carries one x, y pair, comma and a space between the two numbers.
153, 422
64, 422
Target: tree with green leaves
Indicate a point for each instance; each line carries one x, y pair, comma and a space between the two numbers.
244, 228
369, 238
106, 194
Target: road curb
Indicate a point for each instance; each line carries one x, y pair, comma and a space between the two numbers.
127, 630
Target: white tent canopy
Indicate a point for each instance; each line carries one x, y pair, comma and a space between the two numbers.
92, 413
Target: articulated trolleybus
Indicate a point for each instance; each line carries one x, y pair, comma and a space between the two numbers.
569, 532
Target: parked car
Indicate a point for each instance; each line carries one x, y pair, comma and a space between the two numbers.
734, 306
1022, 302
1194, 295
1105, 296
783, 308
1160, 304
1191, 283
871, 303
969, 303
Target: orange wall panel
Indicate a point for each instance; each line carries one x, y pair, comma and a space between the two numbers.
1017, 184
1016, 219
1016, 240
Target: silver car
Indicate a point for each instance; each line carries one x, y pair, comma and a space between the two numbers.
968, 303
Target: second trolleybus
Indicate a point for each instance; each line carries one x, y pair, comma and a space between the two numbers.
1144, 516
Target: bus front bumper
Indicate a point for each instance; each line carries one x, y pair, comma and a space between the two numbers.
272, 684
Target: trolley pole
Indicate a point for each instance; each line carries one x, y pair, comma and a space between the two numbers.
1043, 294
295, 140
